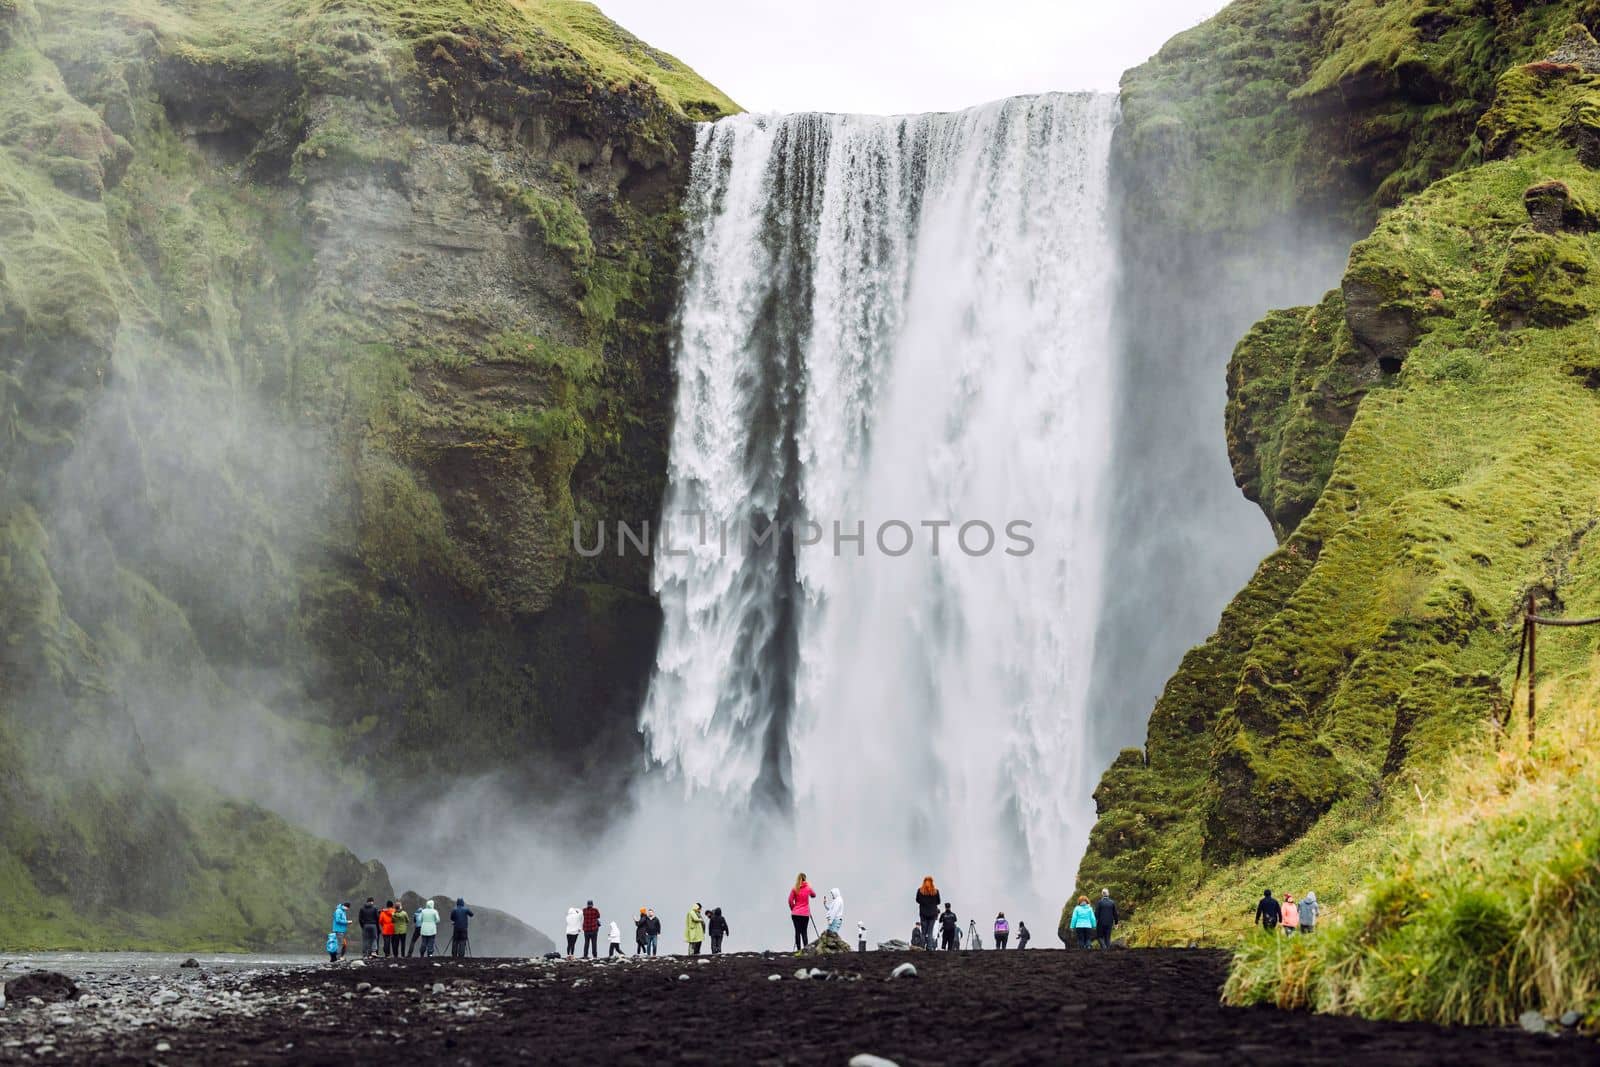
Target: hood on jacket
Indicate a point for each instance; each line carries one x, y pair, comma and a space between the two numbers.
1310, 896
461, 902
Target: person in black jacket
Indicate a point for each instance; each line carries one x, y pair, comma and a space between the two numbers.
655, 931
1022, 935
1268, 911
1105, 917
641, 933
368, 918
718, 930
927, 909
949, 928
460, 915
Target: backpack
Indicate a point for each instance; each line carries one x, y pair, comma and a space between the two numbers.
333, 944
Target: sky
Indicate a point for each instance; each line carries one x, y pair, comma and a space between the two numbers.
895, 56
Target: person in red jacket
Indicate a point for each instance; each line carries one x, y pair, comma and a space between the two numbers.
800, 909
386, 927
591, 931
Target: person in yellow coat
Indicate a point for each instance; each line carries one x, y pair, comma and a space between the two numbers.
694, 929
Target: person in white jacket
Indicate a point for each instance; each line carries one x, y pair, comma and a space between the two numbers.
428, 924
833, 904
616, 939
574, 928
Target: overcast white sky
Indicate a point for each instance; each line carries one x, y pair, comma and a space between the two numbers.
892, 56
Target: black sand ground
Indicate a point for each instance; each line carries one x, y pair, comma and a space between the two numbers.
982, 1007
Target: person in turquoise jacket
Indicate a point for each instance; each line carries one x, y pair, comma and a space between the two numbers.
341, 923
1083, 922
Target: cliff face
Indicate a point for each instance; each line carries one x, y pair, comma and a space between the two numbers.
1418, 439
319, 330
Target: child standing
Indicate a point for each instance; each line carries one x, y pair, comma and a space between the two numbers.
718, 930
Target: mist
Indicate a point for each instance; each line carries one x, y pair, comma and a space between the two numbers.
1182, 538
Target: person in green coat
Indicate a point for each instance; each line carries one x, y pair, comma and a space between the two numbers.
402, 927
694, 929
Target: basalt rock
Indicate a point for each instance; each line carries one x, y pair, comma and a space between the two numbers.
48, 986
1552, 208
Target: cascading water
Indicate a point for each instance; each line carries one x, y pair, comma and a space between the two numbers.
890, 324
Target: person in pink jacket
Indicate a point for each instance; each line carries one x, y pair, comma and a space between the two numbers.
800, 909
1291, 915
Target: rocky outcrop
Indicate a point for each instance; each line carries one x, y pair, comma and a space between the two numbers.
1294, 384
320, 327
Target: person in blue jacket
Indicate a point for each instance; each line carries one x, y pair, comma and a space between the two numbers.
341, 924
459, 916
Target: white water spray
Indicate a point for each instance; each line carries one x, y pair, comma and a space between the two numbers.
892, 320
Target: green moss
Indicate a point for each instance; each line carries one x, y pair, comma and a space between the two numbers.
1365, 671
353, 136
366, 44
1293, 386
1276, 108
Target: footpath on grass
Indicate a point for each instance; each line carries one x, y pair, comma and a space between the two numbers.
995, 1007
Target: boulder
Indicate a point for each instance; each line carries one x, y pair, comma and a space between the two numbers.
894, 945
1552, 208
48, 986
494, 932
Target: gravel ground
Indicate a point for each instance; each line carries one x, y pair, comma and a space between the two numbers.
1148, 1006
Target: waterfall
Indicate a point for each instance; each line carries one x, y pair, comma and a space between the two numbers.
889, 324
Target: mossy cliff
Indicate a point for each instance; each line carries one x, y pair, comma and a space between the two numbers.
1423, 442
321, 324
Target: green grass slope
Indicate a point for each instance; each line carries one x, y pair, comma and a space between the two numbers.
1346, 728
